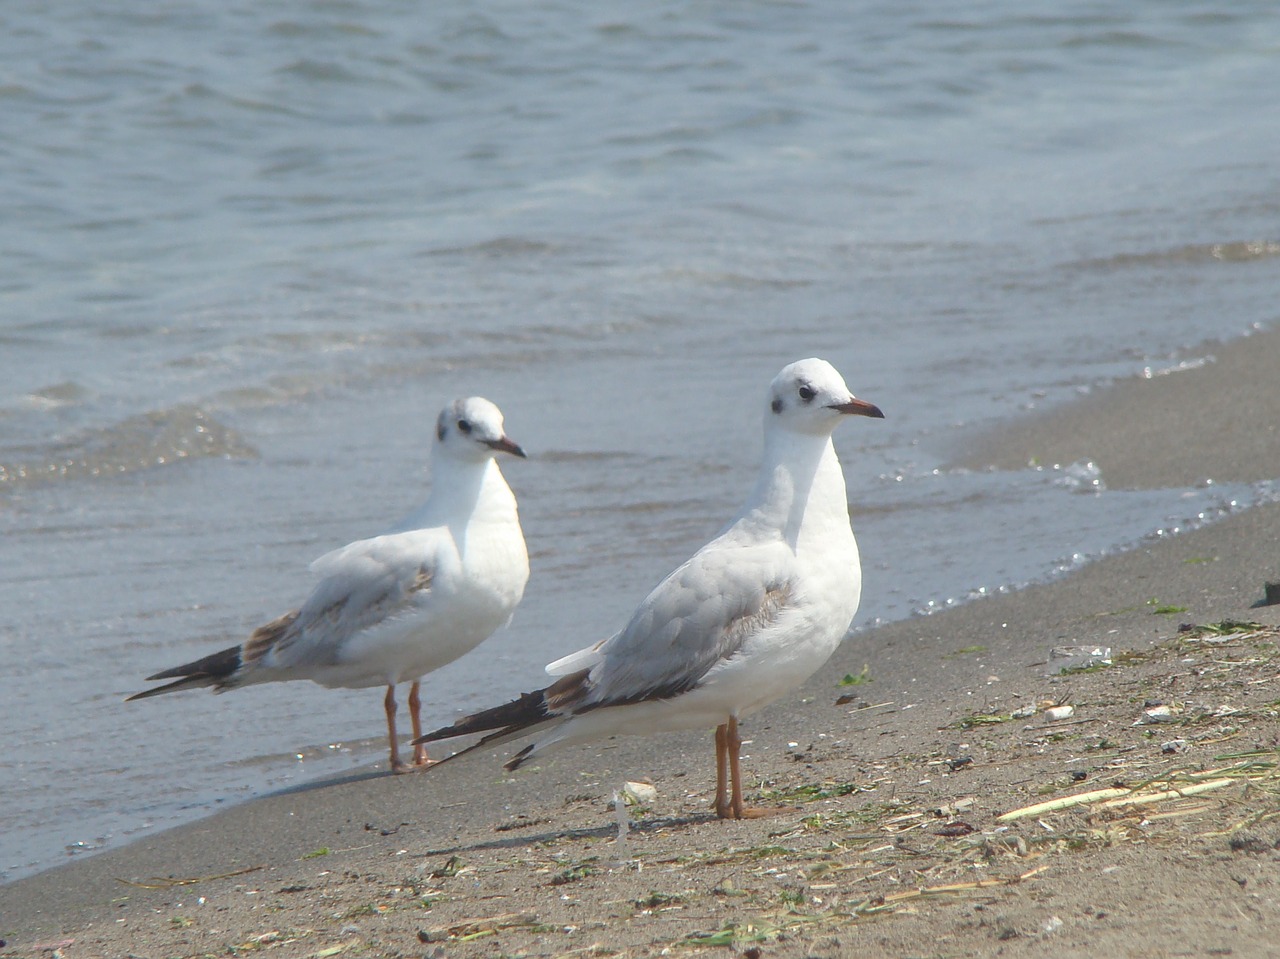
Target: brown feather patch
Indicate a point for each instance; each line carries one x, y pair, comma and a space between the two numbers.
776, 598
266, 636
561, 694
422, 580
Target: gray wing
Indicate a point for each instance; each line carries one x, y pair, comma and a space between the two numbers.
363, 584
700, 615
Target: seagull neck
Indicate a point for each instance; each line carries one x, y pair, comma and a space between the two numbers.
801, 487
461, 490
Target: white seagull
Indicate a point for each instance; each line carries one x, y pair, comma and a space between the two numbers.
751, 616
390, 609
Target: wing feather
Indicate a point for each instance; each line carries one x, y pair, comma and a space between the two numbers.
698, 617
363, 584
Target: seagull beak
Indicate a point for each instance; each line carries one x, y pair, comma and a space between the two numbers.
858, 407
505, 445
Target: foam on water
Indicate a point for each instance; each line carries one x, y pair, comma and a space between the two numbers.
144, 441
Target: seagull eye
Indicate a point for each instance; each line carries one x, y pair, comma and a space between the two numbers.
807, 393
464, 426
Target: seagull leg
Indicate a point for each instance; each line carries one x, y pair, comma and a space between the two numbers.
722, 772
733, 743
390, 704
415, 715
737, 809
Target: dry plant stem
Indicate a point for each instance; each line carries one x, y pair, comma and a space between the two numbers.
164, 882
1175, 793
1064, 802
1122, 797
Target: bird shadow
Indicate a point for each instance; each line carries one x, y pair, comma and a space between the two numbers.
329, 782
584, 832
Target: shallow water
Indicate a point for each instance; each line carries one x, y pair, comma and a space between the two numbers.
249, 254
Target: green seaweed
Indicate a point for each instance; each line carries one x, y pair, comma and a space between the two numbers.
965, 651
861, 679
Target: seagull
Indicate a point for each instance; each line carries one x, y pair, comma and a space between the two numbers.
749, 617
390, 609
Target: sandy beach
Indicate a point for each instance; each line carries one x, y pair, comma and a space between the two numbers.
900, 764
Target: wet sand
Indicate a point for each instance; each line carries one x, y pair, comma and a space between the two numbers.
891, 844
1217, 422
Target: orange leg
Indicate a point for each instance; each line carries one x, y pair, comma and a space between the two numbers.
722, 772
415, 715
735, 770
390, 705
735, 808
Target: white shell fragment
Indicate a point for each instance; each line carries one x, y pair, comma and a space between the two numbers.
1055, 713
1158, 714
953, 809
1078, 657
639, 794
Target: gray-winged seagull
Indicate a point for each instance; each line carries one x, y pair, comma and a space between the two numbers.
750, 617
390, 609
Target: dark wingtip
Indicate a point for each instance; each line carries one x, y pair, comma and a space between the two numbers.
214, 670
444, 732
186, 682
525, 711
518, 759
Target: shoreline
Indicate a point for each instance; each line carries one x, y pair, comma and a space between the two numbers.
1216, 421
322, 852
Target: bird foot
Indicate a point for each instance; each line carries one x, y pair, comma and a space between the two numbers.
401, 769
420, 757
761, 812
749, 812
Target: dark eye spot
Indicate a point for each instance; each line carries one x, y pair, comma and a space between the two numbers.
464, 426
807, 393
776, 405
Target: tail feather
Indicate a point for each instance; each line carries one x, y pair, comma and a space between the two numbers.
216, 669
520, 717
518, 759
500, 737
526, 711
529, 709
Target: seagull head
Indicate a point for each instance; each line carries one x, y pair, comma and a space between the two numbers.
471, 429
809, 396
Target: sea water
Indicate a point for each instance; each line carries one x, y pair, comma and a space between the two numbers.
248, 251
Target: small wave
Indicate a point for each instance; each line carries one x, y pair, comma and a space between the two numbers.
56, 395
148, 440
1130, 39
1151, 372
319, 71
1241, 251
734, 280
1083, 476
317, 30
499, 248
587, 456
